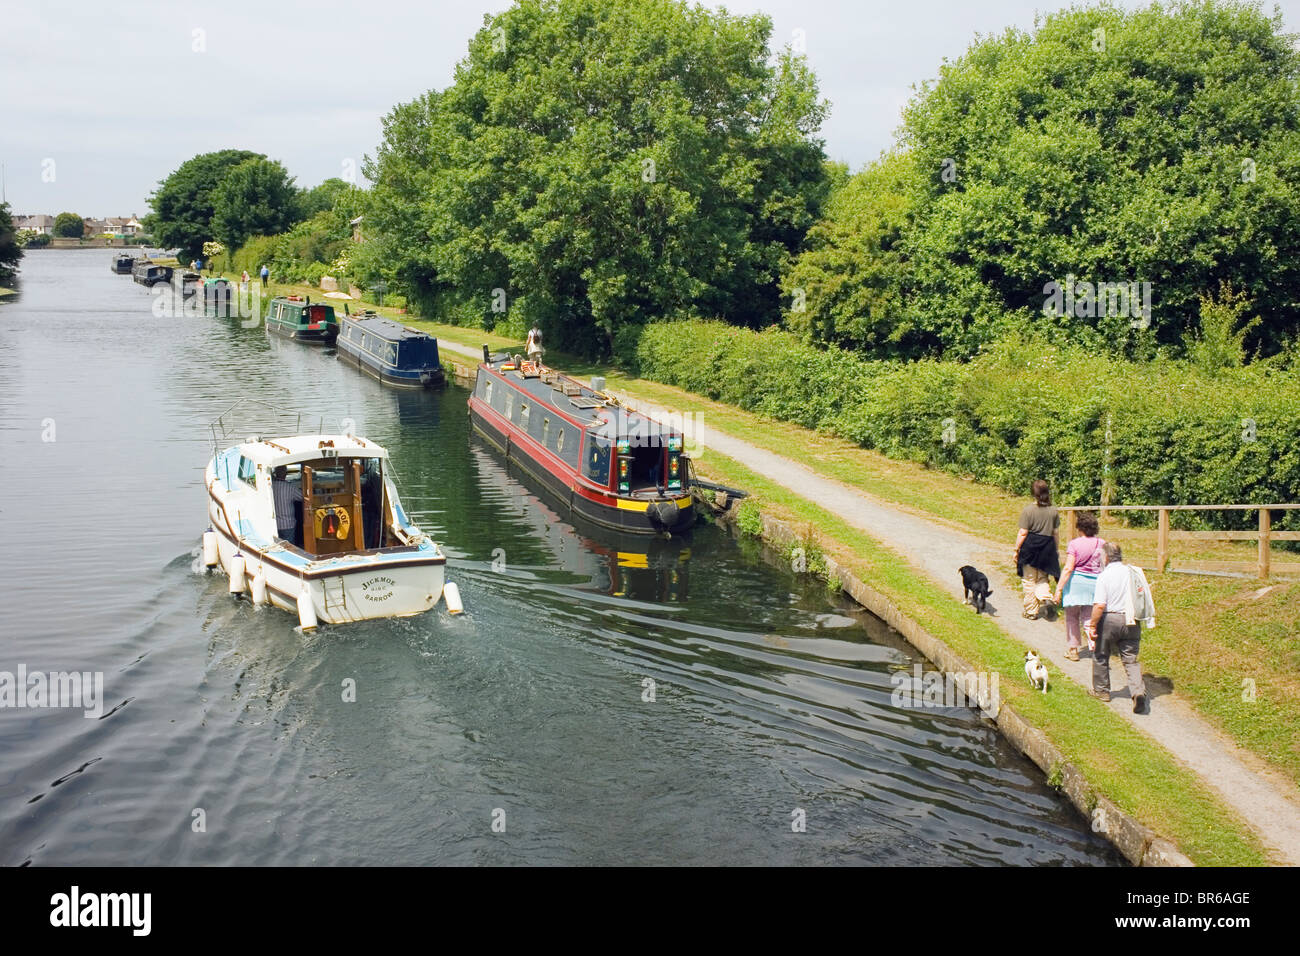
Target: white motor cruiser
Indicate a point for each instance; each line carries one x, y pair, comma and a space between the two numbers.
313, 524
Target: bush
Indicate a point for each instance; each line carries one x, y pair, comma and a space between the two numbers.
1140, 433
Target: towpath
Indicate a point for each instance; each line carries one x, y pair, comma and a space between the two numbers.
1265, 799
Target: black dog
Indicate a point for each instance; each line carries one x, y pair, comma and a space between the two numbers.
973, 583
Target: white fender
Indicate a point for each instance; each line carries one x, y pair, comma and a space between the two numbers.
451, 594
237, 574
210, 556
259, 587
306, 610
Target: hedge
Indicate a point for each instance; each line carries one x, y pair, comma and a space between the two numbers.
1020, 410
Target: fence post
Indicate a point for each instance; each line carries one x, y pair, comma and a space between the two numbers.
1162, 540
1070, 524
1265, 525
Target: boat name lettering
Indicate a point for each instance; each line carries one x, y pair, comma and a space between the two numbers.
378, 589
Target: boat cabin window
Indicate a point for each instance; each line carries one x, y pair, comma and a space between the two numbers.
559, 441
546, 430
597, 464
523, 415
487, 392
510, 405
247, 472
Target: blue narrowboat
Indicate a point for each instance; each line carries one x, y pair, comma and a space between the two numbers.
391, 352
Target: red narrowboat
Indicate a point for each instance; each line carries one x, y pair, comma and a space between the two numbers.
612, 466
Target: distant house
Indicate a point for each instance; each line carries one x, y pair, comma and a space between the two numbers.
42, 224
356, 228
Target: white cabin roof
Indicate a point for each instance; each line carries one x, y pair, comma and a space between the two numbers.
273, 452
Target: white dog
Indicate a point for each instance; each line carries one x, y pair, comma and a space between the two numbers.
1036, 671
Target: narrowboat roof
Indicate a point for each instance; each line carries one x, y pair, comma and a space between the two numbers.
301, 303
588, 408
386, 329
273, 452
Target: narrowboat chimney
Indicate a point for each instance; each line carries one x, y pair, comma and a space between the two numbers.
487, 357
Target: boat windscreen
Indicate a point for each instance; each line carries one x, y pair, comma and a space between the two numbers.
417, 353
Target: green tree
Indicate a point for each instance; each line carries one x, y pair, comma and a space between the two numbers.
1158, 145
846, 289
604, 162
182, 204
10, 251
323, 197
257, 197
68, 225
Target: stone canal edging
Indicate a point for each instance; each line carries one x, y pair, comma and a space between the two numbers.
1138, 843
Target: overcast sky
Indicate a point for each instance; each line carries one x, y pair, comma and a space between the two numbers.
100, 100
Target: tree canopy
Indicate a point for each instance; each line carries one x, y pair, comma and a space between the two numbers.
256, 197
597, 163
68, 225
323, 197
183, 203
10, 251
1159, 145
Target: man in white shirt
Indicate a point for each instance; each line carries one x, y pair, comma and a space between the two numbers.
1111, 610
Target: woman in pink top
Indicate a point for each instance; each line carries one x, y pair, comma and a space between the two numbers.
1079, 579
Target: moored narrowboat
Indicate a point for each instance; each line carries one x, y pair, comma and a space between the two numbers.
391, 352
297, 318
617, 468
186, 282
218, 297
150, 274
122, 265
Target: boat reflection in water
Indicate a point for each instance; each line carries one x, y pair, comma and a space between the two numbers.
621, 564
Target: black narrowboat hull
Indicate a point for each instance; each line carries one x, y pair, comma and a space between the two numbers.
619, 514
305, 336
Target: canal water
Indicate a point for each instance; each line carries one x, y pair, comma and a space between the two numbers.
603, 701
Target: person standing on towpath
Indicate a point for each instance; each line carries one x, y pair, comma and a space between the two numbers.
1037, 558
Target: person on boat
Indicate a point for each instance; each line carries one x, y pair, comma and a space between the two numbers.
243, 281
534, 345
288, 506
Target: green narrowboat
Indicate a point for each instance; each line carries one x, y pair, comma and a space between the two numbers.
295, 317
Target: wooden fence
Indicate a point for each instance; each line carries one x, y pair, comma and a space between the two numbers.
1264, 536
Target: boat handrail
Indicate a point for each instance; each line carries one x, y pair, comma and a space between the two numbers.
266, 419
